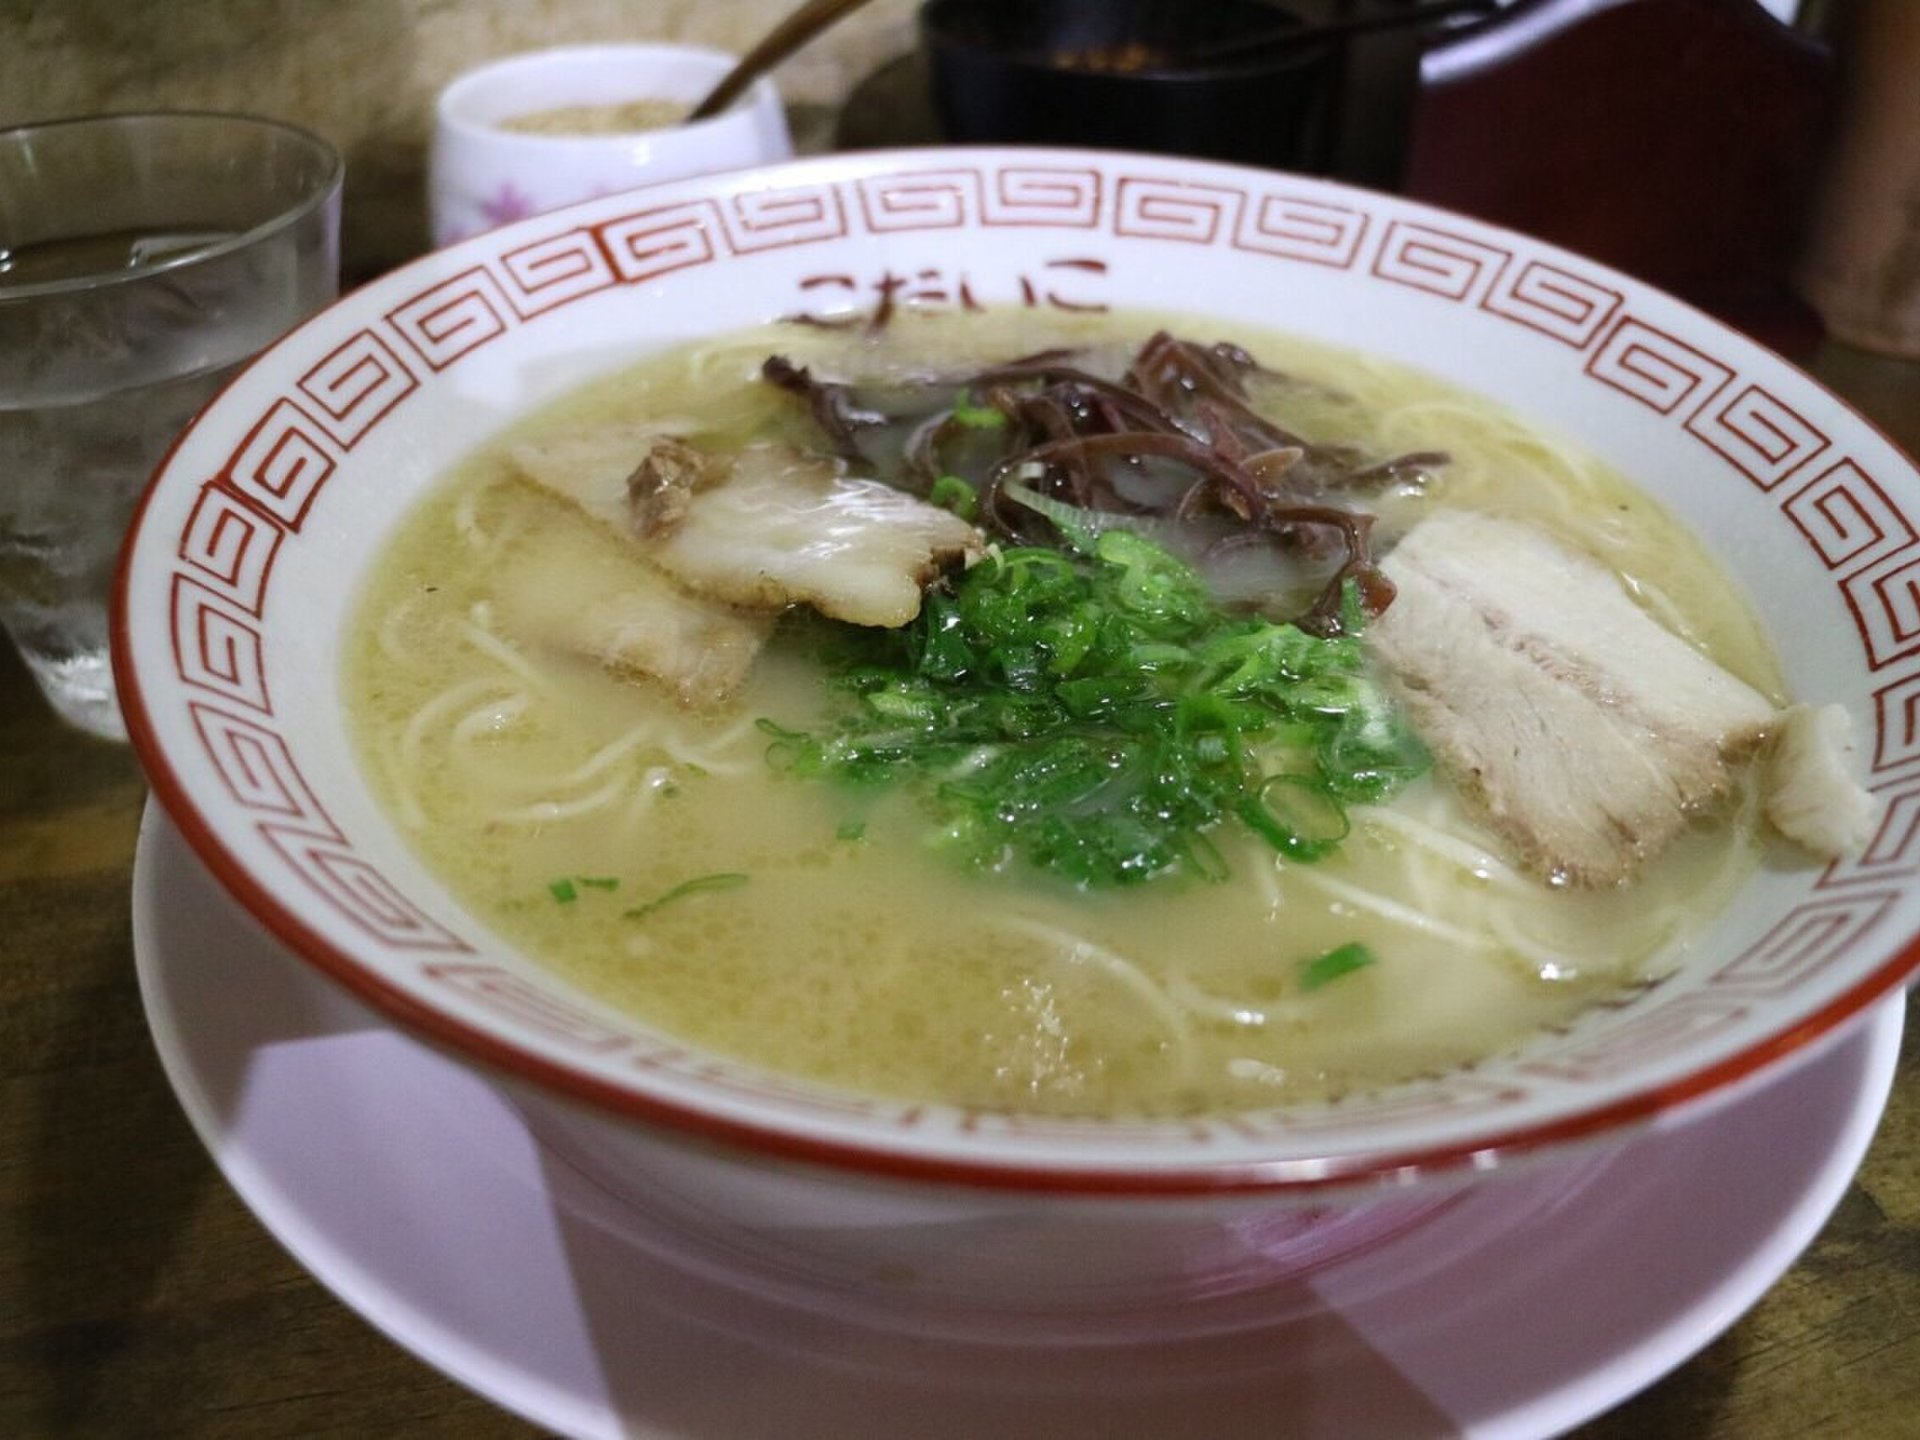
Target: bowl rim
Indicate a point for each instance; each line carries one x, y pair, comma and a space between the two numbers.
1497, 1146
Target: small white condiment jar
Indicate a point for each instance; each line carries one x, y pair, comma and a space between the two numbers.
482, 173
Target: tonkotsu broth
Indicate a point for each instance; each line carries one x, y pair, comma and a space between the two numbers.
856, 954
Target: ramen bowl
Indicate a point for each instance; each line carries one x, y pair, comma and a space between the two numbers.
239, 582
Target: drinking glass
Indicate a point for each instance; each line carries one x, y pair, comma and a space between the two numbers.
143, 259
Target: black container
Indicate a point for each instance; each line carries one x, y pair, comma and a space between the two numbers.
1178, 77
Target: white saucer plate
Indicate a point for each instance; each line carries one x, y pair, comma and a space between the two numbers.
412, 1189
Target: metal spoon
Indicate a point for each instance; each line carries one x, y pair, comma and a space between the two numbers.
788, 36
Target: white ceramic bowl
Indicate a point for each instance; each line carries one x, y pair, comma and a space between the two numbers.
252, 544
481, 176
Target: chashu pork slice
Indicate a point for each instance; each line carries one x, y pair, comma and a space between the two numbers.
596, 468
564, 591
1589, 731
1812, 795
773, 528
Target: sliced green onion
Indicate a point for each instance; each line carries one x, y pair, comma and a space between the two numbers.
976, 417
1079, 526
700, 884
1341, 960
1089, 712
950, 492
1297, 815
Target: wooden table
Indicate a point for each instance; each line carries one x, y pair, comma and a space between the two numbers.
139, 1297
